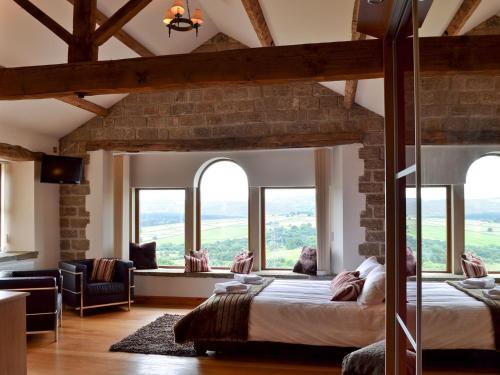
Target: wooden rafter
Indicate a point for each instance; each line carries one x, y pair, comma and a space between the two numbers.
18, 153
47, 21
312, 62
84, 104
123, 36
118, 20
258, 21
352, 85
217, 144
83, 48
461, 17
321, 62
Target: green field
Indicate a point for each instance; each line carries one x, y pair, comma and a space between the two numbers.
226, 237
480, 236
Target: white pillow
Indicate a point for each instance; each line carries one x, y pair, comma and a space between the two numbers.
367, 266
373, 292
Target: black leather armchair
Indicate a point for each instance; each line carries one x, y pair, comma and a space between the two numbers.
44, 303
81, 293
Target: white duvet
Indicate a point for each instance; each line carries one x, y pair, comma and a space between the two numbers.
300, 312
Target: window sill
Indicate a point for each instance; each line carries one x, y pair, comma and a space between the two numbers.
442, 276
224, 274
12, 256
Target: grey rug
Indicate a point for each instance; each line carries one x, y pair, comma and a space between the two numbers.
156, 338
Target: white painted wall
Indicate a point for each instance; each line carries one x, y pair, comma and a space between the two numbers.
100, 205
32, 208
31, 213
448, 165
176, 286
347, 206
263, 168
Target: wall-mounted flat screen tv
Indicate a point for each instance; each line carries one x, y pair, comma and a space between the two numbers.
61, 170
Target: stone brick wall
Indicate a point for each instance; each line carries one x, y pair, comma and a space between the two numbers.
228, 111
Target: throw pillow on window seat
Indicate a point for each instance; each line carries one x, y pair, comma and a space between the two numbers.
307, 263
473, 266
243, 262
197, 261
411, 262
143, 256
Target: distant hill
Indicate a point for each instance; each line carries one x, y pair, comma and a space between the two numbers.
475, 209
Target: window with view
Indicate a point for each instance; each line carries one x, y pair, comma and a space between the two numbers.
223, 214
161, 219
435, 226
290, 224
482, 210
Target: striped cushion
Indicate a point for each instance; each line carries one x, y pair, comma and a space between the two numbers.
243, 262
473, 266
102, 269
197, 261
347, 286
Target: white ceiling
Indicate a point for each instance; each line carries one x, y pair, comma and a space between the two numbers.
328, 20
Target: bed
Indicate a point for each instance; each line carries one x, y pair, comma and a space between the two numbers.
300, 312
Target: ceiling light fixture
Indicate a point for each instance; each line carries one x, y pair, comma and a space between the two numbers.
174, 18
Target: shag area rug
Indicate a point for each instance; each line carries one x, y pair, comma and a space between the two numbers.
156, 338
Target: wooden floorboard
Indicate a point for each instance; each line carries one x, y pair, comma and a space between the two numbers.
84, 342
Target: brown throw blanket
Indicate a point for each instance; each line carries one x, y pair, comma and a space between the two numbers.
493, 305
223, 317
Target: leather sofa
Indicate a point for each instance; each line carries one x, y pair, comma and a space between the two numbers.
44, 303
80, 293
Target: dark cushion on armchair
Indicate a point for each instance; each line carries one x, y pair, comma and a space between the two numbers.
101, 289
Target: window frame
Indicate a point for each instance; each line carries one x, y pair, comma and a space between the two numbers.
137, 216
197, 219
263, 222
449, 223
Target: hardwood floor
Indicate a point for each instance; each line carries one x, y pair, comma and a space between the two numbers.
84, 342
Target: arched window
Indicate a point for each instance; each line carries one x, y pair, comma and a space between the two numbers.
482, 210
223, 211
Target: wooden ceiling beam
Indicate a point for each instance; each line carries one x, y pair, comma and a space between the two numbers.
84, 104
352, 84
321, 62
118, 20
462, 15
311, 62
122, 35
45, 20
258, 21
18, 153
235, 144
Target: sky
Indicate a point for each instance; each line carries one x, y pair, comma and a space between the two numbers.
224, 181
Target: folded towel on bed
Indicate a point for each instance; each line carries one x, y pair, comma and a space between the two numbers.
230, 287
486, 282
492, 293
249, 279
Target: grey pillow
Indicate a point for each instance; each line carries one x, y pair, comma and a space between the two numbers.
370, 360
